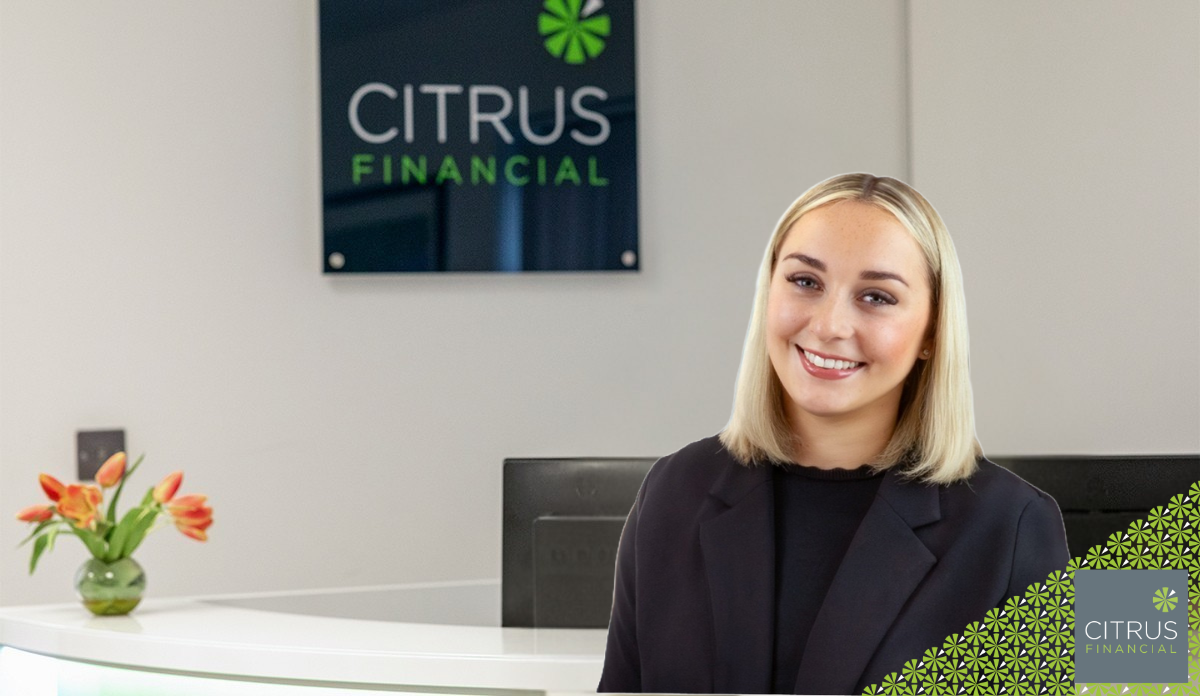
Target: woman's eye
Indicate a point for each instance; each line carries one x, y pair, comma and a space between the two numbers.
802, 280
879, 299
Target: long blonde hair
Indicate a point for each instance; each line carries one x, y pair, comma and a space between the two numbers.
934, 438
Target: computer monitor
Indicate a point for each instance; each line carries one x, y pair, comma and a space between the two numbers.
561, 527
1099, 495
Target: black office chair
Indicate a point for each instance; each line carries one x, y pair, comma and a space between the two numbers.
1099, 495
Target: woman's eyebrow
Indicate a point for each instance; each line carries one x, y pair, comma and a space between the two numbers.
865, 275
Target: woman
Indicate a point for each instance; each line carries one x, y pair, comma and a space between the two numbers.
845, 520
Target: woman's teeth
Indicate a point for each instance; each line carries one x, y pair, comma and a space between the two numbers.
830, 364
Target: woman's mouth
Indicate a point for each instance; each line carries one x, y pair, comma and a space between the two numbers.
827, 368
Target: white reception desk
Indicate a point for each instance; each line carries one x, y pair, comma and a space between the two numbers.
437, 638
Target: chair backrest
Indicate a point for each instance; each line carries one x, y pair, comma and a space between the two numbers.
1099, 495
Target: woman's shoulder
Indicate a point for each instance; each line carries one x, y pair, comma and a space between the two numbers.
991, 485
700, 459
693, 469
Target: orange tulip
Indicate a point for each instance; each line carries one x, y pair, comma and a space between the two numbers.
111, 471
53, 487
203, 521
190, 510
192, 517
193, 532
80, 503
164, 491
36, 513
185, 503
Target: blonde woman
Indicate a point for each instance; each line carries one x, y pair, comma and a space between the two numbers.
845, 520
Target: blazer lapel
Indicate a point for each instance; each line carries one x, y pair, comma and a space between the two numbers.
739, 559
882, 567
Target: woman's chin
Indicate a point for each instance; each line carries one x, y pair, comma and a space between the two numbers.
822, 409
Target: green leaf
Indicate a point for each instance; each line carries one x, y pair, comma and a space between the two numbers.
50, 535
120, 533
94, 543
139, 529
38, 547
36, 531
123, 532
104, 528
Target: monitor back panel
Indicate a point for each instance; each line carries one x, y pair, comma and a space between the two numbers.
562, 525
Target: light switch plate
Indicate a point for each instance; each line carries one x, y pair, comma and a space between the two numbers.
94, 447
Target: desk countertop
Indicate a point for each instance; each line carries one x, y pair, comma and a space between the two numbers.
444, 635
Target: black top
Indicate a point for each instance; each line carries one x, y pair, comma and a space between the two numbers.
817, 512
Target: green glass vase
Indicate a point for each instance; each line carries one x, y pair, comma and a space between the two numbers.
110, 589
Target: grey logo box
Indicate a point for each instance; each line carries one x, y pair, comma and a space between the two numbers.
1122, 633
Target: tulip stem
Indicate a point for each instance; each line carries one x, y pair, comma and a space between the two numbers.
112, 507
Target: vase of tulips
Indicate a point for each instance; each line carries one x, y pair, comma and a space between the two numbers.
111, 581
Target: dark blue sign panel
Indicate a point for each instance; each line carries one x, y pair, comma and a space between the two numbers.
478, 135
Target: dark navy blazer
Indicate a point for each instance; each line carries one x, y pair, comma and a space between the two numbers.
694, 602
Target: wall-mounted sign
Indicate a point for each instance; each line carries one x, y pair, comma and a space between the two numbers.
478, 135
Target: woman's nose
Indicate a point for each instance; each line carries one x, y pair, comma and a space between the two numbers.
831, 320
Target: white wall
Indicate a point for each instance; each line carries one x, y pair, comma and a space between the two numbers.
159, 271
1061, 143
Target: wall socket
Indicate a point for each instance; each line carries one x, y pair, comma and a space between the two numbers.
94, 447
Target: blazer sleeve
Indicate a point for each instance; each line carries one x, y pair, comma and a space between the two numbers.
622, 667
1041, 545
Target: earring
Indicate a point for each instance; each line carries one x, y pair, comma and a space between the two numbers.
925, 353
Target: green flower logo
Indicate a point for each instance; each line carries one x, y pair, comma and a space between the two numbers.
1164, 600
573, 30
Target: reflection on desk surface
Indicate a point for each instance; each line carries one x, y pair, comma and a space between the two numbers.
440, 637
465, 603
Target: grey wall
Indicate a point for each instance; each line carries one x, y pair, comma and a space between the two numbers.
160, 246
1061, 142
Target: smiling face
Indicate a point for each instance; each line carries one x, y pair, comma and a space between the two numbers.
849, 285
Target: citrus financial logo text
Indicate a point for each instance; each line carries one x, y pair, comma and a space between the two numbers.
452, 118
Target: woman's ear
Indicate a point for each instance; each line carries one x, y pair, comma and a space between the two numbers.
926, 349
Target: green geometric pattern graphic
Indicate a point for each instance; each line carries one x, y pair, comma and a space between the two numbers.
570, 36
1028, 645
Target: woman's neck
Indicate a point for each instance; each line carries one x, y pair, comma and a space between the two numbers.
845, 440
